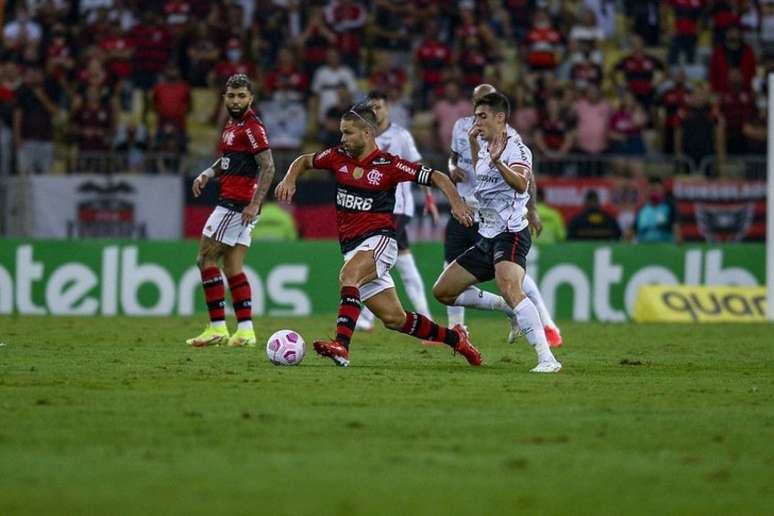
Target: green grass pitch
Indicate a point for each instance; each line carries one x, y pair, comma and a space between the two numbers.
118, 416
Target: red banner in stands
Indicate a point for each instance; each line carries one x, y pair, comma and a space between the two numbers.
721, 210
616, 195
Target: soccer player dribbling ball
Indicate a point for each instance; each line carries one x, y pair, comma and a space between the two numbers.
245, 170
503, 169
365, 196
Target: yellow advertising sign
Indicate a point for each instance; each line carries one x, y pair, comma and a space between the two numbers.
703, 304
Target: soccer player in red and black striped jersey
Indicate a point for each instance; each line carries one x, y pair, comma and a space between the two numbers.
365, 196
245, 170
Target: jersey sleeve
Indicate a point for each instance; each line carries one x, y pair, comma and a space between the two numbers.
256, 137
455, 132
324, 160
519, 155
404, 170
410, 150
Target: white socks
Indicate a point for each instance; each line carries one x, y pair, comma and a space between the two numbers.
218, 324
415, 289
455, 315
245, 325
532, 292
366, 319
476, 298
529, 322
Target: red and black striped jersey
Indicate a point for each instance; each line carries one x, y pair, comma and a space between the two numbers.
241, 140
365, 191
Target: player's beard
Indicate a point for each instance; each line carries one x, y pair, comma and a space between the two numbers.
354, 150
237, 114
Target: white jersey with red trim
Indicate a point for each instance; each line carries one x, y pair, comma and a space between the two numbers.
398, 141
500, 207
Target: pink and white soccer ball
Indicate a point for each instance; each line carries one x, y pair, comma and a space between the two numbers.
285, 347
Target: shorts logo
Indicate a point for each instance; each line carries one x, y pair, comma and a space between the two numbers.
374, 176
358, 173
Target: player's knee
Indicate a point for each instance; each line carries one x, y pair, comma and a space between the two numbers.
443, 294
204, 261
514, 296
347, 279
231, 270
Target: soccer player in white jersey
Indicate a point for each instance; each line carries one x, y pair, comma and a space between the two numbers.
503, 168
459, 238
397, 140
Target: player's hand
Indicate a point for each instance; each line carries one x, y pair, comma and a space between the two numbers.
250, 213
199, 183
535, 224
497, 146
285, 191
463, 213
431, 208
473, 132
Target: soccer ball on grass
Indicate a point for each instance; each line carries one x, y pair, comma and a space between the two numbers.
285, 347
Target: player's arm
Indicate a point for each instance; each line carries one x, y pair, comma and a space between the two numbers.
201, 180
535, 224
287, 187
461, 211
516, 175
265, 163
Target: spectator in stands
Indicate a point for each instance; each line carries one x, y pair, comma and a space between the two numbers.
9, 84
686, 14
671, 102
119, 50
447, 110
700, 133
725, 14
582, 67
470, 28
626, 126
544, 44
329, 78
645, 18
233, 61
347, 18
328, 134
285, 118
286, 77
554, 229
203, 54
178, 17
767, 27
593, 223
168, 149
554, 138
316, 39
732, 54
524, 114
588, 36
384, 75
592, 113
275, 223
33, 122
92, 122
737, 105
656, 221
59, 57
21, 32
391, 30
172, 99
472, 62
153, 50
641, 71
432, 59
132, 143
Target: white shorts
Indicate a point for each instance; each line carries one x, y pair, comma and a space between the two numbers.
226, 226
385, 254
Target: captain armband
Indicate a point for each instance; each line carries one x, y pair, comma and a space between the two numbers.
424, 176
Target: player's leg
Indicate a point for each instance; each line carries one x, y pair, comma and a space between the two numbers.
386, 306
457, 240
407, 268
241, 295
553, 335
455, 285
510, 267
359, 268
216, 333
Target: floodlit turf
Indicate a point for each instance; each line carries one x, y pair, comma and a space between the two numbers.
118, 416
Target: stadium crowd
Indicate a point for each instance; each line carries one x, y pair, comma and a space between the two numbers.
92, 85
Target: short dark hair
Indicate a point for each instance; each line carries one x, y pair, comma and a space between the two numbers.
376, 95
239, 80
497, 102
591, 197
362, 115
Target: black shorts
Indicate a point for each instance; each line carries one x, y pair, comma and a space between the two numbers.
401, 221
480, 259
458, 239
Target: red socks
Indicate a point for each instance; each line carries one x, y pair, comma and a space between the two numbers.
241, 296
214, 293
349, 311
419, 326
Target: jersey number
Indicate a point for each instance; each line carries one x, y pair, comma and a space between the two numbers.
224, 163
